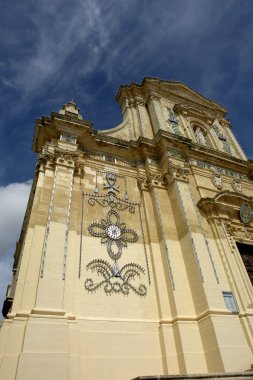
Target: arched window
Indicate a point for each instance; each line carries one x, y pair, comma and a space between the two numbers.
201, 133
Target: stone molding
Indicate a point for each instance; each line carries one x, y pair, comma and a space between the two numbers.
177, 172
140, 102
187, 110
239, 231
225, 123
151, 180
225, 202
217, 181
155, 180
237, 185
246, 375
153, 96
48, 160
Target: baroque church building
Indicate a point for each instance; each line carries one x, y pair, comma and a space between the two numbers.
136, 252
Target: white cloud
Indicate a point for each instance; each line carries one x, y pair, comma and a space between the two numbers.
13, 201
55, 41
70, 43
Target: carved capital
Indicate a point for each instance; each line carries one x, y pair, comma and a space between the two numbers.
142, 183
153, 96
68, 138
155, 180
176, 172
181, 108
140, 102
66, 159
151, 180
130, 103
224, 123
46, 160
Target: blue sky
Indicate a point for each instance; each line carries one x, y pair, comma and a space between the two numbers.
55, 51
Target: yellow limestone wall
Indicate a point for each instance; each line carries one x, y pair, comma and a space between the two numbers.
57, 329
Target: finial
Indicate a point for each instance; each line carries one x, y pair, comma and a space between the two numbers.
71, 109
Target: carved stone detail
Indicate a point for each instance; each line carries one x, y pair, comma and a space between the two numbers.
239, 231
106, 157
177, 172
66, 158
173, 121
115, 235
223, 139
237, 185
142, 183
68, 138
48, 160
140, 102
200, 136
217, 181
155, 179
153, 96
224, 123
130, 103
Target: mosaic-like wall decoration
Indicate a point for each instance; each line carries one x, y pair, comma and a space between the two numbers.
206, 165
115, 236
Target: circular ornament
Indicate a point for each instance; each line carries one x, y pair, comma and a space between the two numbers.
114, 232
245, 213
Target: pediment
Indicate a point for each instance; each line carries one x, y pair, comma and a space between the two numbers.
232, 198
186, 93
225, 200
166, 89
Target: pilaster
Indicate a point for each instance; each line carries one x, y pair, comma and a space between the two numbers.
226, 124
144, 120
155, 111
31, 247
136, 128
55, 245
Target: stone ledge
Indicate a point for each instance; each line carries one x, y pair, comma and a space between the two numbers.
246, 375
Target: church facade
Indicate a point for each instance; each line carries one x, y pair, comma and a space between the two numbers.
136, 251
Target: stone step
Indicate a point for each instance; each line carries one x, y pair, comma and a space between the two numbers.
245, 375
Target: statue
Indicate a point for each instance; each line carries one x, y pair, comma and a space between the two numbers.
200, 137
173, 122
173, 117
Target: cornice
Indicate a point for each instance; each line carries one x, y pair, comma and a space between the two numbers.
190, 111
189, 148
226, 197
166, 89
51, 127
48, 128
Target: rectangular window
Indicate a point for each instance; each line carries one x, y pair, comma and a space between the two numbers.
109, 158
230, 302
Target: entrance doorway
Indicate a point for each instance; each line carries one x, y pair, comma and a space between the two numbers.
246, 251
